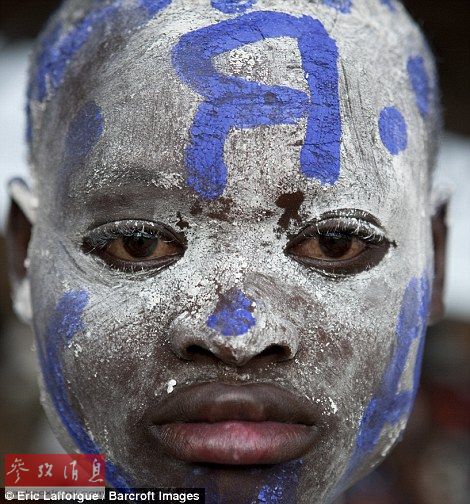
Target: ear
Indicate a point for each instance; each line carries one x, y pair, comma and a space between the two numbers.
21, 218
439, 235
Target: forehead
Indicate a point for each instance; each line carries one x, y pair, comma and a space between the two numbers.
199, 104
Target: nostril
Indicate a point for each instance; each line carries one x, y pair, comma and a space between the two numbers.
209, 353
196, 351
276, 352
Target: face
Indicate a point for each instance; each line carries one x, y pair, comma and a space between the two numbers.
231, 261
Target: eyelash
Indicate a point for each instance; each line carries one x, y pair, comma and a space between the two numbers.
338, 226
350, 226
101, 237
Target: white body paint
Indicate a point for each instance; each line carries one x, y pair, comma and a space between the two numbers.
171, 386
341, 330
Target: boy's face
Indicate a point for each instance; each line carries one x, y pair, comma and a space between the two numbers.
230, 279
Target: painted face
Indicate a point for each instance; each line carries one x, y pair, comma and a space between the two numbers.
230, 267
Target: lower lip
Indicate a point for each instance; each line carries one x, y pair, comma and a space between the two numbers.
236, 442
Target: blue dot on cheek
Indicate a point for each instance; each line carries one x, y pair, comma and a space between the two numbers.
393, 131
232, 6
420, 83
84, 132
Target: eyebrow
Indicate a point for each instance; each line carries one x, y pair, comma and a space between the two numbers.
127, 187
123, 174
102, 200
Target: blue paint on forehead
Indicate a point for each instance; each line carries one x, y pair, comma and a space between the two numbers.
233, 315
420, 83
232, 6
83, 133
46, 63
393, 131
388, 404
59, 48
233, 102
65, 322
37, 86
154, 6
343, 6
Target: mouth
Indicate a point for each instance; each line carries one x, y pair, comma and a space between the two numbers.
220, 423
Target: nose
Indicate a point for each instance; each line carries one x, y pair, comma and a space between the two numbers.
236, 333
189, 347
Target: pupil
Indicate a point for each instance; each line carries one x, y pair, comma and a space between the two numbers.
140, 245
334, 244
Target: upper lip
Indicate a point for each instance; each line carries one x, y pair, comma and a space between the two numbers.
218, 402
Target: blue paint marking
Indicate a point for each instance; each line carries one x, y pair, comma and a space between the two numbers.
389, 405
232, 6
203, 477
232, 102
58, 49
420, 82
65, 323
390, 4
46, 64
393, 132
343, 6
45, 67
282, 486
270, 494
154, 6
29, 120
84, 132
233, 315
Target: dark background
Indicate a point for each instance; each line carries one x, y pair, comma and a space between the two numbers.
432, 464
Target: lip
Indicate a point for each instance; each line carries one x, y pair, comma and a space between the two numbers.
233, 424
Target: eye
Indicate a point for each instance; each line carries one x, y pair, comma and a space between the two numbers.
339, 246
135, 245
330, 246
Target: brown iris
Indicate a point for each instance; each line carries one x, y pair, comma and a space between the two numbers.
127, 249
339, 251
142, 246
330, 246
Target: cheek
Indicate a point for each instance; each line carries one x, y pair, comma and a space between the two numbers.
123, 352
386, 412
62, 326
349, 326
